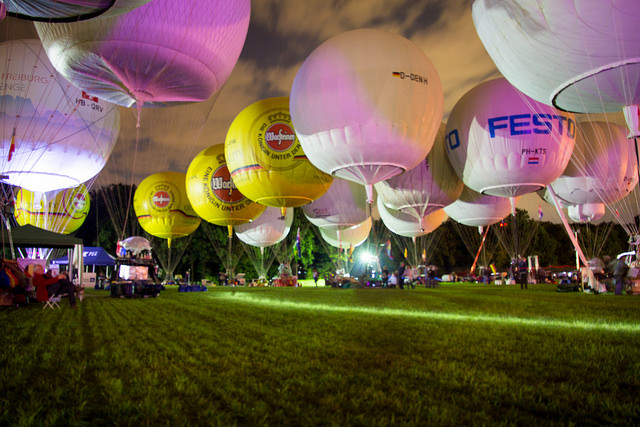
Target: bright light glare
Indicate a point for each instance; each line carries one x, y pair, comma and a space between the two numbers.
505, 320
368, 258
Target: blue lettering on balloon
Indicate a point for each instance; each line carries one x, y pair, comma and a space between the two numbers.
515, 124
493, 124
453, 144
546, 125
522, 124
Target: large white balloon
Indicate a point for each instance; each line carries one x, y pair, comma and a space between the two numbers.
163, 51
407, 225
598, 167
54, 135
366, 105
430, 186
342, 206
353, 237
502, 143
579, 56
68, 10
478, 210
269, 228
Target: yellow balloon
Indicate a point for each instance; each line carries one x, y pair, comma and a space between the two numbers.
62, 211
266, 160
162, 206
213, 194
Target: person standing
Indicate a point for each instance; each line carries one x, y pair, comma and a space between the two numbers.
521, 273
619, 273
401, 270
385, 277
315, 276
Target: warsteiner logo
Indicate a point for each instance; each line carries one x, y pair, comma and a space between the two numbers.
280, 137
79, 202
223, 186
161, 199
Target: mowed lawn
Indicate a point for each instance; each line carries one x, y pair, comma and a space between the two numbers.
459, 354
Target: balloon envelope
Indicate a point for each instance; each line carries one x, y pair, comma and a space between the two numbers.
504, 144
162, 206
269, 228
579, 56
430, 186
342, 206
407, 225
266, 160
366, 105
54, 136
213, 194
354, 236
478, 210
68, 10
61, 211
163, 51
597, 172
587, 212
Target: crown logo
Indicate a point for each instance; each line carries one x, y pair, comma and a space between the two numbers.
280, 116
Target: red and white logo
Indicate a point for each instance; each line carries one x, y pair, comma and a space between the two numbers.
161, 199
79, 202
280, 137
223, 186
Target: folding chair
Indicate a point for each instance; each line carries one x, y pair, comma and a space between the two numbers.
52, 302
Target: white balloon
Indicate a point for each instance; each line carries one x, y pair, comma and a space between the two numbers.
598, 167
342, 206
502, 143
61, 136
366, 105
579, 56
587, 212
430, 186
354, 236
406, 225
164, 51
478, 210
266, 230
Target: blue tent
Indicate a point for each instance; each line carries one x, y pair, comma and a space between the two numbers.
92, 256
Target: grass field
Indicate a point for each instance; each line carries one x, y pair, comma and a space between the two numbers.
455, 355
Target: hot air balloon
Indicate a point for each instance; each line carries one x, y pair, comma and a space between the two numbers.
345, 238
366, 105
161, 52
430, 186
269, 228
597, 172
478, 210
162, 206
342, 206
578, 56
588, 212
266, 160
54, 136
61, 211
213, 194
503, 144
68, 10
260, 237
406, 225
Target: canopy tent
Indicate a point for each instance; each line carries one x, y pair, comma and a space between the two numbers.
30, 236
92, 255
